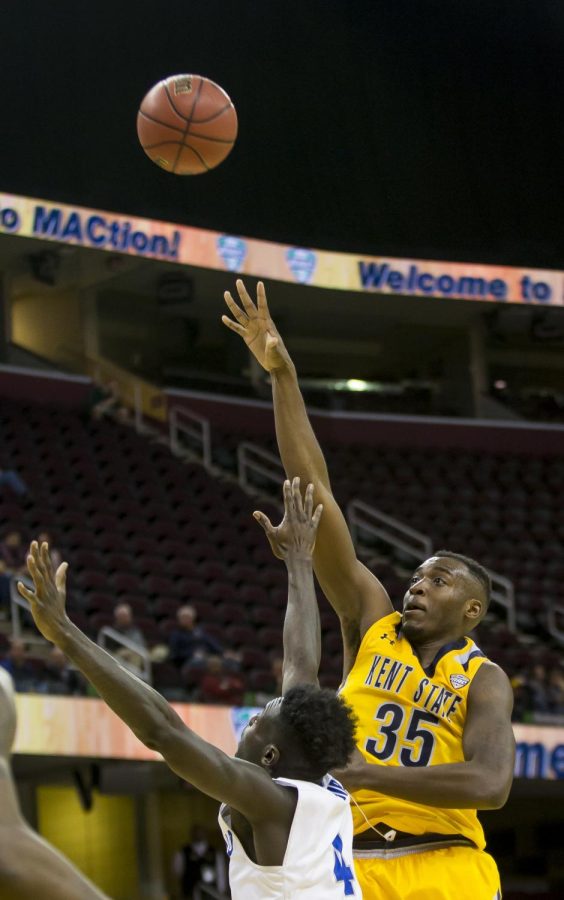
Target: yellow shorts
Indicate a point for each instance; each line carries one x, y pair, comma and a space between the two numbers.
451, 873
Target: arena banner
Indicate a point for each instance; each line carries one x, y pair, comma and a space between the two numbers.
117, 233
70, 726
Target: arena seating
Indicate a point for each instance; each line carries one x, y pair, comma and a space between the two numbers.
139, 525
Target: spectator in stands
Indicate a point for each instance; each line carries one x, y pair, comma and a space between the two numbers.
124, 624
220, 686
19, 667
538, 689
189, 644
13, 554
10, 479
12, 562
59, 678
197, 862
520, 698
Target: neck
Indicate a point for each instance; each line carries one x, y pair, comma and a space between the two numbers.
427, 649
300, 773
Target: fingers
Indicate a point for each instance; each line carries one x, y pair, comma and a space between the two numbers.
26, 593
262, 305
297, 498
236, 311
263, 520
289, 509
271, 341
35, 572
45, 557
250, 307
308, 503
297, 507
234, 326
317, 515
61, 577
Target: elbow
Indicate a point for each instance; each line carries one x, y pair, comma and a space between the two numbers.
493, 791
294, 675
155, 737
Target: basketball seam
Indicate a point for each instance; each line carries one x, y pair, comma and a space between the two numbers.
216, 115
158, 122
205, 137
189, 122
179, 114
164, 144
199, 155
187, 129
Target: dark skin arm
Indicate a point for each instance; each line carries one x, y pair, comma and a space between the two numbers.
482, 781
29, 866
357, 596
246, 787
294, 541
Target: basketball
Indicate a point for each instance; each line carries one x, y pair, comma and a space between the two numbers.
187, 124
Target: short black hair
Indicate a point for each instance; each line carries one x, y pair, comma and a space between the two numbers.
475, 568
322, 724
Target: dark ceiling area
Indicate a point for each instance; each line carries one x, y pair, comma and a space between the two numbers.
384, 126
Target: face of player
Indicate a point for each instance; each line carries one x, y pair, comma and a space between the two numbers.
259, 734
440, 601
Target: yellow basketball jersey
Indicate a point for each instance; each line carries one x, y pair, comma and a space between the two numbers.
410, 716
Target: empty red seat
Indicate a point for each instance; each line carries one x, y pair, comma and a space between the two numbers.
92, 580
152, 565
159, 585
183, 568
221, 590
127, 583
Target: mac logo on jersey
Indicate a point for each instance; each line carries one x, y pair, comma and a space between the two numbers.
459, 681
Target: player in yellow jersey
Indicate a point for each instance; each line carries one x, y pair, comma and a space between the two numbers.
435, 742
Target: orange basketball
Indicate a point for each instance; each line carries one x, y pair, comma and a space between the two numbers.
187, 124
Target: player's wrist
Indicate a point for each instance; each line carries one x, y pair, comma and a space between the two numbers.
299, 557
285, 371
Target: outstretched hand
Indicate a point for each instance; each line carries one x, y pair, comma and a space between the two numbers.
295, 536
47, 600
254, 324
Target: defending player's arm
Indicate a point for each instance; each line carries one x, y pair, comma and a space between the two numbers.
482, 781
355, 593
246, 787
294, 541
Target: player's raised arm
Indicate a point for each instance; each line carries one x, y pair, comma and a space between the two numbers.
355, 593
245, 786
294, 541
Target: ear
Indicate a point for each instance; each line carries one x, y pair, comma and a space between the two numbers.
270, 756
474, 609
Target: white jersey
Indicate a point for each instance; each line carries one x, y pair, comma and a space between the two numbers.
318, 861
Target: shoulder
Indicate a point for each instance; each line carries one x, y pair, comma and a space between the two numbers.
490, 686
390, 622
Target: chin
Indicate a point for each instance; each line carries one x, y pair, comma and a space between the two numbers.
412, 630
